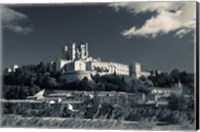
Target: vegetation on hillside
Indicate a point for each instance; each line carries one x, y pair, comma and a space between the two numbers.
28, 80
147, 117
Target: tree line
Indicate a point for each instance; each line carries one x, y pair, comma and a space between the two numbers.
28, 80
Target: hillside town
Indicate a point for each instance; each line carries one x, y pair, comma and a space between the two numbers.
78, 85
109, 65
76, 64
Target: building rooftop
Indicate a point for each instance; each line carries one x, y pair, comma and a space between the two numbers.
164, 88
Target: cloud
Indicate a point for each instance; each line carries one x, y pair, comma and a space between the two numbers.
15, 21
178, 17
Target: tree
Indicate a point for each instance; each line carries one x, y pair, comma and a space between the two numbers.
178, 102
141, 85
41, 68
95, 78
148, 83
164, 80
175, 75
85, 84
55, 74
49, 82
132, 86
186, 78
16, 92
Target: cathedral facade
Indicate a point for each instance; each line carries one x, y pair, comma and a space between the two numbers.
76, 64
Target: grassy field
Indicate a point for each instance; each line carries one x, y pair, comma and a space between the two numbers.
77, 123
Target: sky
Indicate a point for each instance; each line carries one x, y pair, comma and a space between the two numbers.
159, 35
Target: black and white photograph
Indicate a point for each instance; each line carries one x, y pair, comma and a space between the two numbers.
104, 66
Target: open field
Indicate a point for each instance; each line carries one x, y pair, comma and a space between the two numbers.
51, 122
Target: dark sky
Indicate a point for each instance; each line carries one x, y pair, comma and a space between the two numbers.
100, 26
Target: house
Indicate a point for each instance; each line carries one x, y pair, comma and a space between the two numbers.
165, 91
38, 96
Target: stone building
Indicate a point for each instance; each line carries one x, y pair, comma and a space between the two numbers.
74, 52
136, 70
76, 63
108, 67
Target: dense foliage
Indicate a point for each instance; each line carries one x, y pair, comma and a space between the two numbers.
28, 80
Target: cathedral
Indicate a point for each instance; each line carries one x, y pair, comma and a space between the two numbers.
77, 64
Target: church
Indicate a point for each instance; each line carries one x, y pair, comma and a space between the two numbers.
76, 63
